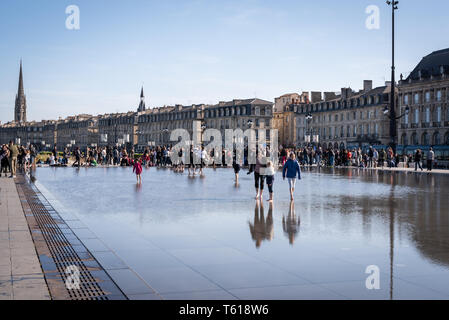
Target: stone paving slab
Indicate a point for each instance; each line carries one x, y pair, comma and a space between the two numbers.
21, 276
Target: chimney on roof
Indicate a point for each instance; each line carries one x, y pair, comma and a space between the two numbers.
346, 93
367, 85
329, 96
316, 96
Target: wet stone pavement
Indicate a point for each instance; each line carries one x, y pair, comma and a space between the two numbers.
21, 276
176, 237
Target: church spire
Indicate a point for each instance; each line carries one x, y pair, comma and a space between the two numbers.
20, 110
142, 102
21, 91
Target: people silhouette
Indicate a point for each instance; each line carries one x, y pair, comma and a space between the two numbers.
262, 229
290, 225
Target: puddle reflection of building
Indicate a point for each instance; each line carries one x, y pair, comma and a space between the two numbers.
291, 224
262, 229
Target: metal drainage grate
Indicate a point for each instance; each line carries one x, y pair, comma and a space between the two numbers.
61, 250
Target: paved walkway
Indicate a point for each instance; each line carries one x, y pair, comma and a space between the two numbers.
21, 276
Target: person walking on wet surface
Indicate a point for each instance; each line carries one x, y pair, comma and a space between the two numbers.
418, 158
137, 169
259, 179
375, 158
269, 176
191, 161
370, 157
382, 156
291, 170
430, 159
202, 153
4, 160
236, 166
77, 157
13, 153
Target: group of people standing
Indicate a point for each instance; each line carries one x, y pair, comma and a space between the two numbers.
13, 157
418, 158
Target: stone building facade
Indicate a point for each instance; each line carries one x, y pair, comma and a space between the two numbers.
426, 93
117, 129
351, 119
81, 129
281, 102
244, 114
155, 125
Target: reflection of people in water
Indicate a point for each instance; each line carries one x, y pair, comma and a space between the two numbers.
262, 229
291, 224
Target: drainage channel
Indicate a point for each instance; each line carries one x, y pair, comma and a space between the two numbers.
70, 270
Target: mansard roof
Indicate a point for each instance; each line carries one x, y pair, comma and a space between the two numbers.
431, 65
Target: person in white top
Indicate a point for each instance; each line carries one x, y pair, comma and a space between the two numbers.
203, 156
269, 176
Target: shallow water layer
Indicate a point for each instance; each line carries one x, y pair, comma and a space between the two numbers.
206, 238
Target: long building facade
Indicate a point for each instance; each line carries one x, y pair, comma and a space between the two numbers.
352, 119
346, 119
425, 93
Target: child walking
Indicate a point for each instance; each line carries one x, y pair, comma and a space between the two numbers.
291, 169
269, 176
137, 169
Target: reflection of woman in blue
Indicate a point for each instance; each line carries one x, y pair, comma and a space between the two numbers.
291, 224
262, 229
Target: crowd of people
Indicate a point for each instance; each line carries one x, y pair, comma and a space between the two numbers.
358, 157
195, 159
13, 157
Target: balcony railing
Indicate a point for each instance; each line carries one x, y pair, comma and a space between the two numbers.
404, 126
414, 125
425, 125
436, 124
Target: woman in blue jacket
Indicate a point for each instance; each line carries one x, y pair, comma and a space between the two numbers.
291, 170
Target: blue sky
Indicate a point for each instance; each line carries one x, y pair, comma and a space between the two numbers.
201, 51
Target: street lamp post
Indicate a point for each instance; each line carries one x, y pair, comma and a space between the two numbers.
393, 123
309, 118
203, 128
250, 126
165, 131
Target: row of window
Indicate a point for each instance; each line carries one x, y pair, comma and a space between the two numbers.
237, 111
417, 97
348, 131
169, 125
425, 139
361, 115
359, 102
168, 116
428, 115
121, 120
